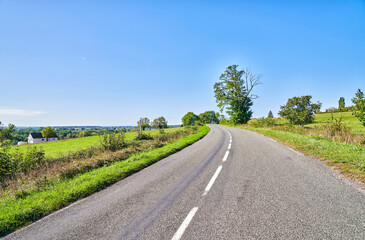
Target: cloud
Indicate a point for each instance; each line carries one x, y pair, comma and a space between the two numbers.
19, 112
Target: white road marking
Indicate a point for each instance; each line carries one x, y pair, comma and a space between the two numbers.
212, 180
299, 153
229, 146
225, 156
185, 224
230, 140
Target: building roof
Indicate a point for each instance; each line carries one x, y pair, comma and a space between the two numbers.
36, 135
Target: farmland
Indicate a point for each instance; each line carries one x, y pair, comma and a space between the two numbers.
53, 149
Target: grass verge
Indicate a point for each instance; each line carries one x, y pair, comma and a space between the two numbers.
16, 213
349, 159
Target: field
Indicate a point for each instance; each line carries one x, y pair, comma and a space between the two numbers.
323, 118
53, 149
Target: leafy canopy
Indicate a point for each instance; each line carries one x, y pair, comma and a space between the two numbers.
189, 119
48, 132
359, 101
209, 117
299, 110
6, 133
233, 91
144, 122
159, 123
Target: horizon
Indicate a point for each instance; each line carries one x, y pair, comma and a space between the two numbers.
109, 63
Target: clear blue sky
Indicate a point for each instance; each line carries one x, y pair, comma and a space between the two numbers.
111, 62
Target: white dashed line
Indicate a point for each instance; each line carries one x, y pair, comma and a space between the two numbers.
185, 224
211, 182
229, 146
225, 156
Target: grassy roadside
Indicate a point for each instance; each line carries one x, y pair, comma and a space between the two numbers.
349, 159
16, 213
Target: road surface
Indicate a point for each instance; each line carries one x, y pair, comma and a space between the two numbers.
232, 184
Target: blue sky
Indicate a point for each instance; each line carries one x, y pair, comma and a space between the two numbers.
111, 62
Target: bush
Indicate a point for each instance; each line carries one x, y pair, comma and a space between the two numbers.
113, 141
263, 122
15, 162
143, 136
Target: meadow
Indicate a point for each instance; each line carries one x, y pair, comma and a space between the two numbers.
54, 149
323, 118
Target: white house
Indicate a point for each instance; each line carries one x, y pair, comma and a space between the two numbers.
38, 138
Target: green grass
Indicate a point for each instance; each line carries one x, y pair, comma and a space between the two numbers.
347, 117
349, 158
323, 118
16, 213
53, 149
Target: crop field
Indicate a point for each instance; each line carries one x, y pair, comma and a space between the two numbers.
53, 149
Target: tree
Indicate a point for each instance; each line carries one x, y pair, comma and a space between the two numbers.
189, 119
300, 110
359, 102
145, 122
159, 122
234, 91
208, 117
270, 115
341, 103
48, 132
6, 133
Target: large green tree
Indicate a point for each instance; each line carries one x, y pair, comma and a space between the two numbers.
359, 101
300, 110
48, 132
233, 91
159, 122
208, 117
144, 122
189, 119
6, 133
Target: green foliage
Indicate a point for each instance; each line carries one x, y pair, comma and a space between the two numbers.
6, 133
144, 122
359, 102
113, 141
209, 117
299, 110
143, 136
189, 119
233, 92
341, 103
15, 162
48, 132
159, 123
263, 122
270, 115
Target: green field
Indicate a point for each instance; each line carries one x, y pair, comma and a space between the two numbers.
323, 118
53, 149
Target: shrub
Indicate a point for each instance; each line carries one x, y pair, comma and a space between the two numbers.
263, 122
113, 141
143, 136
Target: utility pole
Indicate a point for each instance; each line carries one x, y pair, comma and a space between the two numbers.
140, 125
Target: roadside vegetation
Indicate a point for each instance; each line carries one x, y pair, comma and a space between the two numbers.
63, 180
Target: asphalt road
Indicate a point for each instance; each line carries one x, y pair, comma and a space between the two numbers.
242, 187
